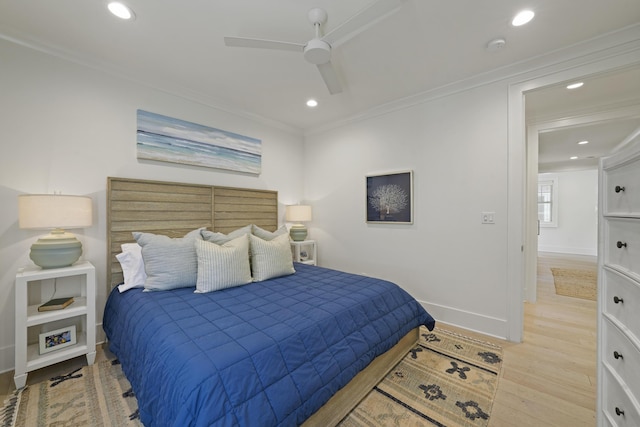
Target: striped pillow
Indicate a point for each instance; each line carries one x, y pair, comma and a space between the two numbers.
222, 266
270, 259
169, 263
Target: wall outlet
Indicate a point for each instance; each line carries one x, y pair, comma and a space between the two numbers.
488, 217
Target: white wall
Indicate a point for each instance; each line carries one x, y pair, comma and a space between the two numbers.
577, 230
448, 260
65, 127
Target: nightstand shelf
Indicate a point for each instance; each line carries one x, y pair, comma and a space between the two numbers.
77, 308
33, 288
305, 252
35, 360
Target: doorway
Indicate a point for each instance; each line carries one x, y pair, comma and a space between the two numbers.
522, 243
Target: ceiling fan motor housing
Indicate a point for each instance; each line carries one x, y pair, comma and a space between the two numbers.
317, 52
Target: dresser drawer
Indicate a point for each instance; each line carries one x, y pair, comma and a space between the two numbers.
622, 243
627, 414
622, 356
625, 201
618, 287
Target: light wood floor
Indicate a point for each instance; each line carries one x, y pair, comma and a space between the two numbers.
550, 378
547, 380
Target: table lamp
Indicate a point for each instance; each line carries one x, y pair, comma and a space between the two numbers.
298, 214
56, 212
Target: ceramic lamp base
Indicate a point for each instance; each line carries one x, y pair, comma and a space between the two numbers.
56, 250
298, 232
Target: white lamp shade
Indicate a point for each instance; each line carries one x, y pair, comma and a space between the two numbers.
298, 213
44, 211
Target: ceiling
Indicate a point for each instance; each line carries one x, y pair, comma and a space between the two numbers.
426, 44
605, 111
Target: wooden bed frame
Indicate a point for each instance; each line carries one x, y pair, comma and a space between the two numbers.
174, 209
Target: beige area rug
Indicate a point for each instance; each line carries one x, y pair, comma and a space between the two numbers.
576, 283
96, 395
447, 380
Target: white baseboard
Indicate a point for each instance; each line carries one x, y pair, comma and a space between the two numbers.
468, 320
7, 355
100, 335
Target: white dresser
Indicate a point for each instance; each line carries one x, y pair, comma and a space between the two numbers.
619, 289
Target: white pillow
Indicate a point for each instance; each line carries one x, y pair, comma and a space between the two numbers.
132, 266
220, 238
222, 266
270, 259
169, 263
268, 235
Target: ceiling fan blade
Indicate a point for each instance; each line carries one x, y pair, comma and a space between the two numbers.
330, 77
362, 20
263, 44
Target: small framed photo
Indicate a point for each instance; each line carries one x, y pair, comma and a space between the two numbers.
390, 198
55, 340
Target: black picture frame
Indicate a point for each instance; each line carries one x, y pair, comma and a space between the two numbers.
390, 198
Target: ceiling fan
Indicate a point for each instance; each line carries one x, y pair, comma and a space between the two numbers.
318, 50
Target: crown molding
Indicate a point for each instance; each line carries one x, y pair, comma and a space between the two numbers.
624, 41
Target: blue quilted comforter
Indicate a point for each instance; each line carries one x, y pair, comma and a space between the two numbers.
265, 354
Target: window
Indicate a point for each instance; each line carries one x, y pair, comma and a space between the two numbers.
548, 201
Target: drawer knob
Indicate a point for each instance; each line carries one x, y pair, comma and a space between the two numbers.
619, 189
618, 300
617, 355
621, 245
619, 411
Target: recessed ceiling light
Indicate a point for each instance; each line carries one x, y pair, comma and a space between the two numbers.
522, 18
121, 10
575, 85
583, 142
312, 103
573, 157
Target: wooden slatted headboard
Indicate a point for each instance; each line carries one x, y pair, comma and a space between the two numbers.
174, 209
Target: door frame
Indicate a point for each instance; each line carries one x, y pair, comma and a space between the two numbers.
520, 269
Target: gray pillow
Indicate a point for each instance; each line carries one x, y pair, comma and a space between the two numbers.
222, 266
270, 258
220, 238
268, 235
169, 263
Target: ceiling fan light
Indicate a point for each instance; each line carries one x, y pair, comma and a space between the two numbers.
317, 51
121, 10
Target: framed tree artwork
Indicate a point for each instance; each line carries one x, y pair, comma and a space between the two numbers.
390, 198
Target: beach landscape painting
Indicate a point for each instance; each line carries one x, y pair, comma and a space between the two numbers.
167, 139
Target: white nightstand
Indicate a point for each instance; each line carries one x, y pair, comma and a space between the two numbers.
305, 252
35, 286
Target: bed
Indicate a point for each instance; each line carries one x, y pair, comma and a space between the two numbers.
299, 348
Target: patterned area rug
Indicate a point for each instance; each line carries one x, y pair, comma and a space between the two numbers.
96, 395
448, 380
576, 283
